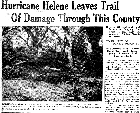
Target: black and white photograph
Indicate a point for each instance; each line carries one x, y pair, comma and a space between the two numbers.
52, 63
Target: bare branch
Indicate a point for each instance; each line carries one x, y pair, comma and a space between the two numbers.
23, 40
43, 36
53, 31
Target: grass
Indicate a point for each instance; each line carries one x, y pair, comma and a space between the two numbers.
53, 88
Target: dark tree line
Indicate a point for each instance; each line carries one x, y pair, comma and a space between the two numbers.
89, 63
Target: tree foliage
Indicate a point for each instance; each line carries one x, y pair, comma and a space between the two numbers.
65, 47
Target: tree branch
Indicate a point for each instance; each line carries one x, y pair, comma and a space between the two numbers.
43, 37
56, 34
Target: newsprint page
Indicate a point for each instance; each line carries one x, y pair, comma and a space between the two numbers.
77, 56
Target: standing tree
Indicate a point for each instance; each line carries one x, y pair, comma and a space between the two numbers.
30, 43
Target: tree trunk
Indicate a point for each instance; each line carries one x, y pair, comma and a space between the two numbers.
68, 50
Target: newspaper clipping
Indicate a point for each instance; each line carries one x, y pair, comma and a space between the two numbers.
69, 56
